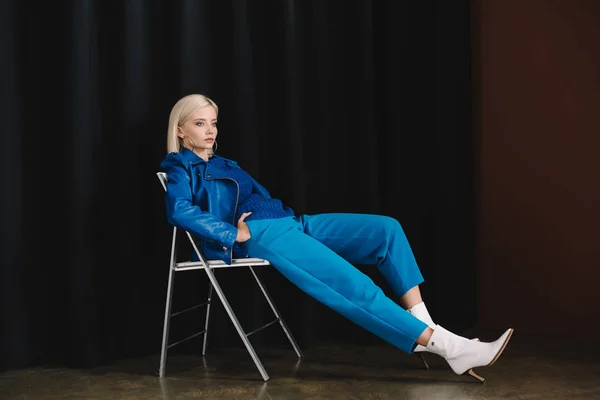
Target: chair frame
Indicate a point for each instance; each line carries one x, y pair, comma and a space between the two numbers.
209, 266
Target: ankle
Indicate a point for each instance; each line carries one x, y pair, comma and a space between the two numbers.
425, 337
415, 306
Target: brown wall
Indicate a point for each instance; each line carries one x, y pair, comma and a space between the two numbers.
537, 122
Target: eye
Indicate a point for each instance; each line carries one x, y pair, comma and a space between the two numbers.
200, 123
214, 124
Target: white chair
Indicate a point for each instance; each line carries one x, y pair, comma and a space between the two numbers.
209, 266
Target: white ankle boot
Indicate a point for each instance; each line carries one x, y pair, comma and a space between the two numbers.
463, 354
420, 311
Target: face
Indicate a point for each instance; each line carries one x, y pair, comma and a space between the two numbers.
200, 130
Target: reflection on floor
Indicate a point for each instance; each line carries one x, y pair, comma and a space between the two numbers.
530, 368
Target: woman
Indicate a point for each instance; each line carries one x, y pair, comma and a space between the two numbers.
213, 198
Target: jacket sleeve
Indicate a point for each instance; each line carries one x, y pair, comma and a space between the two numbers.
182, 213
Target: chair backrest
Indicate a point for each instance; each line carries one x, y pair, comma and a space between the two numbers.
198, 255
162, 177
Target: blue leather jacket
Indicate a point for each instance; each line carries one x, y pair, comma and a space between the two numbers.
205, 204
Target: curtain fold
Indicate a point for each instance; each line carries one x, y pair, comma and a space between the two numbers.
355, 106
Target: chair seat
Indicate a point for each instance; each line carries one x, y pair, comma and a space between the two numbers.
236, 262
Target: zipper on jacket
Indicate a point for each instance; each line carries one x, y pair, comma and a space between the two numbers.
237, 199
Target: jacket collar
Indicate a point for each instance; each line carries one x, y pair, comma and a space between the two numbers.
189, 156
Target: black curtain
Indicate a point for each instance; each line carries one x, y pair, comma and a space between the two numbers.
335, 106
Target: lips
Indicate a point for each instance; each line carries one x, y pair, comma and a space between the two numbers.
209, 140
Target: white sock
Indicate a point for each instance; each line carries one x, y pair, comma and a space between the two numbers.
420, 311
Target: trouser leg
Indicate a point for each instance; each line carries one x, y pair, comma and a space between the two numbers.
329, 278
368, 239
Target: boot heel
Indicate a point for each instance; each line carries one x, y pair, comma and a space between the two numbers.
423, 361
422, 357
474, 375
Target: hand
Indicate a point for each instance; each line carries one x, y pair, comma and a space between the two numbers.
243, 231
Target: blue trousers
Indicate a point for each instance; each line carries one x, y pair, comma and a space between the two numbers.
317, 253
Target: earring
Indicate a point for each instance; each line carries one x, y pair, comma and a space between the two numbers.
215, 146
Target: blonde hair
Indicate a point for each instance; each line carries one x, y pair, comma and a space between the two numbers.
180, 113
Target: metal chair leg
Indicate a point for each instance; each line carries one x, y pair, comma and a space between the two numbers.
236, 323
210, 289
167, 320
288, 333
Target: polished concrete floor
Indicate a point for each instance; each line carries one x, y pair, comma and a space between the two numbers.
530, 368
